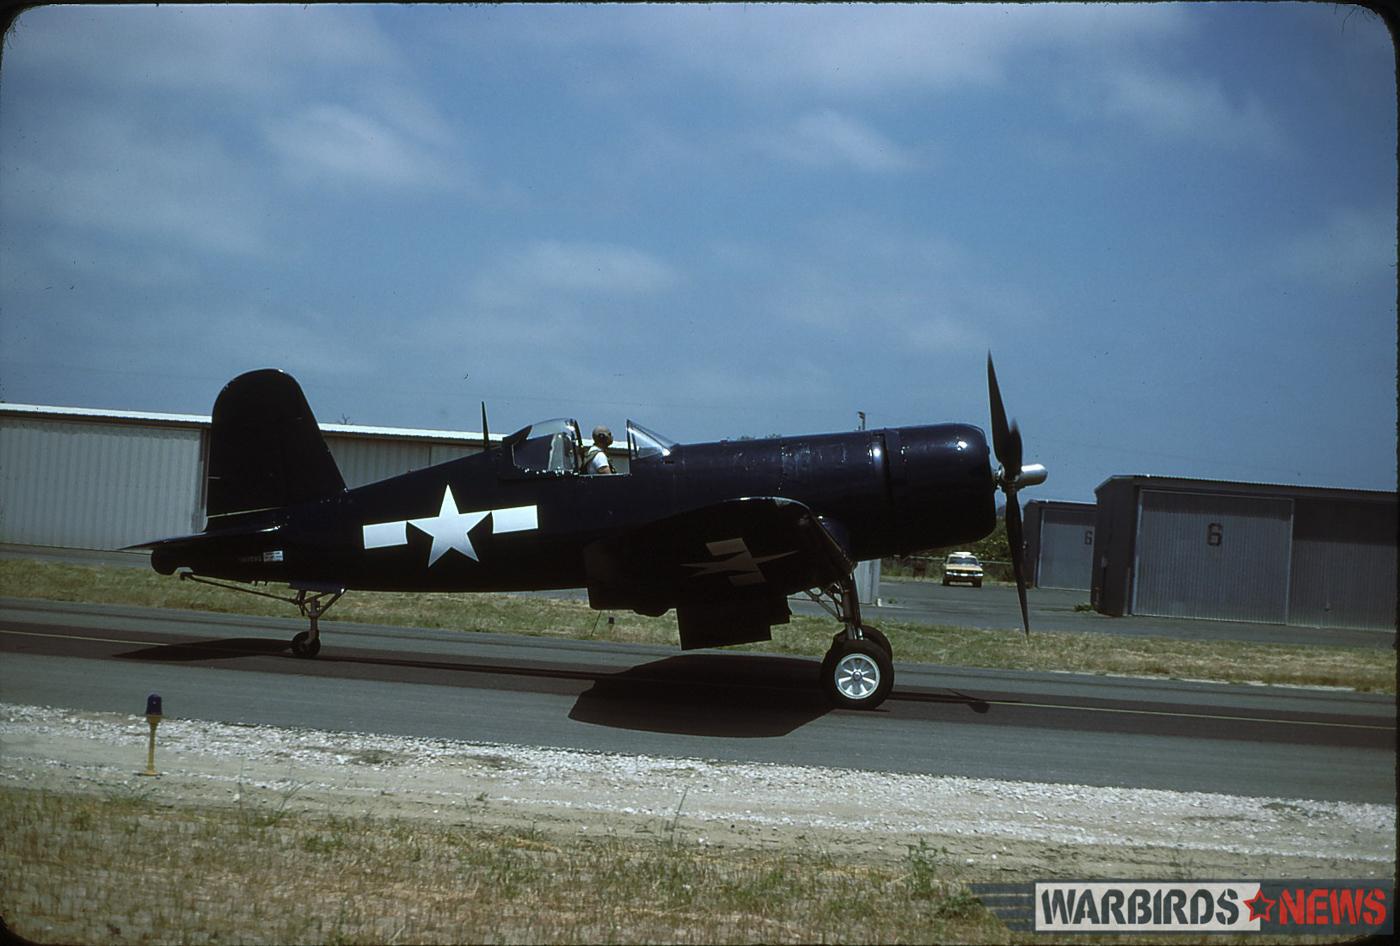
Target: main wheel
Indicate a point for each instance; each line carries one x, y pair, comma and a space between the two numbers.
857, 674
301, 648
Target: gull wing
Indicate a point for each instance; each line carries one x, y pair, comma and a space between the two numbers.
727, 567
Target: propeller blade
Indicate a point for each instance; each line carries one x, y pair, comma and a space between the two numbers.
1016, 539
1006, 438
1006, 444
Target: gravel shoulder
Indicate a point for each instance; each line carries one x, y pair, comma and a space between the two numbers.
994, 830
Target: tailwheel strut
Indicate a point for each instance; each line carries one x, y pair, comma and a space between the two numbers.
311, 602
312, 605
858, 670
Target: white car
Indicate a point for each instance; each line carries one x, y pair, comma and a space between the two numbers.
962, 566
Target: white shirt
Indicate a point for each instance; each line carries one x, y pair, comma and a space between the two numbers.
596, 461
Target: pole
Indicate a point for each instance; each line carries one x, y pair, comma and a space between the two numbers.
153, 718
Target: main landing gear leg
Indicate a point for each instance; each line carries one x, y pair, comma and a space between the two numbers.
308, 643
857, 672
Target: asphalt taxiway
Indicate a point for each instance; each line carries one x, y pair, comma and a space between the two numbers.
1046, 727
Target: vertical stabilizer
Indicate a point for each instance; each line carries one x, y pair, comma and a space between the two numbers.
265, 447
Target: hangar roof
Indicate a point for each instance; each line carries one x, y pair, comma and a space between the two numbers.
1059, 504
1182, 484
203, 420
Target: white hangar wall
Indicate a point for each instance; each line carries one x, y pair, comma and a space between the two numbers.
365, 459
91, 483
84, 479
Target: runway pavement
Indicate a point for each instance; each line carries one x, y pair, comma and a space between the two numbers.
1130, 732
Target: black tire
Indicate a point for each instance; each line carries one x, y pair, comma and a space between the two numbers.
977, 583
946, 583
878, 636
301, 648
871, 634
857, 674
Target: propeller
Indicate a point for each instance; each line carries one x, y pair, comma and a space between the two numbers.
1006, 444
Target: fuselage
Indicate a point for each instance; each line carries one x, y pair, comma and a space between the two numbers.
485, 522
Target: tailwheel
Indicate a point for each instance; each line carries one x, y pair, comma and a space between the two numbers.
857, 674
303, 646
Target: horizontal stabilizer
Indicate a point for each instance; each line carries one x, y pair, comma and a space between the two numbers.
241, 543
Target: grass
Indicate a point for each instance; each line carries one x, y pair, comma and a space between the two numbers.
1364, 669
127, 866
135, 869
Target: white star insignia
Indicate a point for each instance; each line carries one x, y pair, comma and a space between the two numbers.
450, 528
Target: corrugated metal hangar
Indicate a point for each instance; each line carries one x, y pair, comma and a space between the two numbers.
1059, 551
1298, 555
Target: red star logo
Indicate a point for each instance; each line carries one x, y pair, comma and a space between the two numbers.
1260, 906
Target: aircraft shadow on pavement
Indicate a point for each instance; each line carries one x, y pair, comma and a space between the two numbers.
701, 694
210, 650
728, 695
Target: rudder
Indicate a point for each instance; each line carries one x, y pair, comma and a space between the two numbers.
265, 447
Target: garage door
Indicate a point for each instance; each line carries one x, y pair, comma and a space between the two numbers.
1213, 556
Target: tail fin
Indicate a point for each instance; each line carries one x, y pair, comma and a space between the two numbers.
265, 447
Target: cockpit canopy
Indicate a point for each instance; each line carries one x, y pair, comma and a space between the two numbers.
556, 446
643, 444
550, 446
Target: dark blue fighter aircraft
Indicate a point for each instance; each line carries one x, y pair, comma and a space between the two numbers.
722, 532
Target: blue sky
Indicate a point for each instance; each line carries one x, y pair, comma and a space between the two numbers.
1173, 225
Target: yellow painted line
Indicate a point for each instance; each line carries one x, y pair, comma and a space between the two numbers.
1230, 719
74, 637
1064, 706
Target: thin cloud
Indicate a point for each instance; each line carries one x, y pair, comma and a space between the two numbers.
549, 297
828, 138
1186, 107
912, 295
235, 50
1348, 248
339, 143
875, 49
100, 174
556, 267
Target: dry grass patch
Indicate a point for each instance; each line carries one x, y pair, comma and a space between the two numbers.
1365, 669
128, 868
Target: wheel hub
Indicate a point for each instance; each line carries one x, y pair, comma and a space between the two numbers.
857, 676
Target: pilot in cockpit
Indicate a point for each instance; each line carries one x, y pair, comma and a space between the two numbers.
595, 460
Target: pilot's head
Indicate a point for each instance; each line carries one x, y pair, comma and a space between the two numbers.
602, 436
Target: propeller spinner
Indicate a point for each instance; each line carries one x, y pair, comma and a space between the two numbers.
1010, 477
